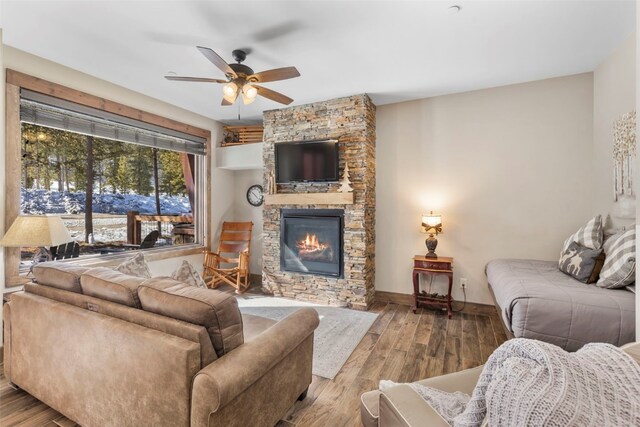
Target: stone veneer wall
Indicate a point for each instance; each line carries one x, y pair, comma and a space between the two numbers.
352, 121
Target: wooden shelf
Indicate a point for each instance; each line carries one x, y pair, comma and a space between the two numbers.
241, 135
309, 199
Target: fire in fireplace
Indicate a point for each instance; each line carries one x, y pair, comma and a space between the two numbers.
311, 241
311, 248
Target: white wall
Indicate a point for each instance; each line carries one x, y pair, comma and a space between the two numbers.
614, 87
509, 168
243, 211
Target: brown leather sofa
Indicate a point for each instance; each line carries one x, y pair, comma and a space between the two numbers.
401, 406
107, 349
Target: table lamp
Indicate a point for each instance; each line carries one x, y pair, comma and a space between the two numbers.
431, 223
36, 230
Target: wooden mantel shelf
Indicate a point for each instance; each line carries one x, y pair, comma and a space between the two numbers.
309, 199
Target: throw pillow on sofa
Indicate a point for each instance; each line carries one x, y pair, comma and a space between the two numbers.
135, 266
188, 274
590, 235
619, 268
581, 263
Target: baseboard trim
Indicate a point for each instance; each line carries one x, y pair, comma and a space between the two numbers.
407, 299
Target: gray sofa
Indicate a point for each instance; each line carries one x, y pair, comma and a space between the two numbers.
536, 300
107, 349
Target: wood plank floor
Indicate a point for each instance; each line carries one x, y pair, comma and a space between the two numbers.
400, 346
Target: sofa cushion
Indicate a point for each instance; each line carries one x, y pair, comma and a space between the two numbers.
217, 311
187, 273
111, 285
135, 266
583, 264
59, 275
619, 268
590, 235
189, 331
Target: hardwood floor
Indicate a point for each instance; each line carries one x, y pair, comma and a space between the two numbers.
400, 346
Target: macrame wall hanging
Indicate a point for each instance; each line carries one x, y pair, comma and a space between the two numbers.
624, 155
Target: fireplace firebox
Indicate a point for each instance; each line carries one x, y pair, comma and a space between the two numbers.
311, 241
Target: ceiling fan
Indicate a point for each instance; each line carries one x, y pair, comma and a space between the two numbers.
241, 80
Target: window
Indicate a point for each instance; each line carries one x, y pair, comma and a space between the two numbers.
119, 184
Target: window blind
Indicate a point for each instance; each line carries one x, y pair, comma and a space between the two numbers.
44, 110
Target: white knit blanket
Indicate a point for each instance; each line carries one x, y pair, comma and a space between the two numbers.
532, 383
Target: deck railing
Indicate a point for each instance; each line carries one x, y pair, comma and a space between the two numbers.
139, 226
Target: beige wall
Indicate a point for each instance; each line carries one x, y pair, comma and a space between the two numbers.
243, 211
613, 95
509, 169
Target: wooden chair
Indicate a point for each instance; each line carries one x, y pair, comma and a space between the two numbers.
230, 264
65, 251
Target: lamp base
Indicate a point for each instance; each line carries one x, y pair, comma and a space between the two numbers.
42, 255
431, 243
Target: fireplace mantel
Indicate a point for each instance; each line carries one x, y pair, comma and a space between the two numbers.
309, 199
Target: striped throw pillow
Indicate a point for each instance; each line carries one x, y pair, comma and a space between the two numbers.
619, 268
589, 236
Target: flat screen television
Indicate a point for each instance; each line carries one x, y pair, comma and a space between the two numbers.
307, 161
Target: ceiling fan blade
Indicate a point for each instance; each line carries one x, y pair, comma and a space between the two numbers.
193, 79
217, 60
273, 95
275, 75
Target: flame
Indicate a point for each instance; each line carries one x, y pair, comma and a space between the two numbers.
311, 244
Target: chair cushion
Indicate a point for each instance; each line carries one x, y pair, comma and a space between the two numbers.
112, 285
59, 275
463, 381
217, 311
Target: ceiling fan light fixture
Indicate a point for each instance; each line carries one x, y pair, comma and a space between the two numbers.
249, 91
229, 90
246, 99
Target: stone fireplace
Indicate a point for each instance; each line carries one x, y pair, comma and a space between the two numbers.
322, 252
311, 241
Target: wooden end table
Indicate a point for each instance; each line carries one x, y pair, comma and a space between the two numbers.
441, 266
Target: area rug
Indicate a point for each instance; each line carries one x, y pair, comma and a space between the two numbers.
336, 337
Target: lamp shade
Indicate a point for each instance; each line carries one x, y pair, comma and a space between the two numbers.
36, 230
431, 221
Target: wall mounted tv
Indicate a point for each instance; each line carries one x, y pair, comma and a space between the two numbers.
307, 161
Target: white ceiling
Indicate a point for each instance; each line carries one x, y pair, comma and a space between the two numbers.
392, 50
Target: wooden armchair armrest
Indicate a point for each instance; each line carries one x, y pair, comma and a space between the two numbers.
244, 260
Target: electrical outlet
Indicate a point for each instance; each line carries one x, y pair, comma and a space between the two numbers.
463, 282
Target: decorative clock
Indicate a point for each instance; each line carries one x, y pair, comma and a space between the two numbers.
255, 195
